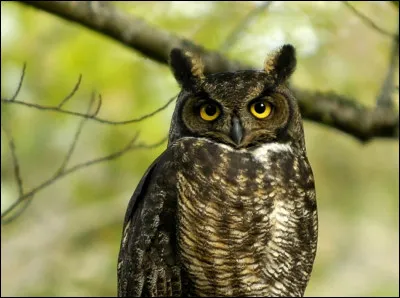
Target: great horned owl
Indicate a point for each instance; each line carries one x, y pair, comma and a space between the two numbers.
229, 208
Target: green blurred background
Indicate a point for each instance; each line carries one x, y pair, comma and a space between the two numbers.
66, 243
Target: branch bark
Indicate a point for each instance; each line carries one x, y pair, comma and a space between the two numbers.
328, 108
152, 42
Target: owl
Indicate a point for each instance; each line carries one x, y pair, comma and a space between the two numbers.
229, 208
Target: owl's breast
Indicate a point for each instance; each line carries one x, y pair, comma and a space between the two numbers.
233, 220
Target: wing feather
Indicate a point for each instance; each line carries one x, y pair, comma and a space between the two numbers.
147, 261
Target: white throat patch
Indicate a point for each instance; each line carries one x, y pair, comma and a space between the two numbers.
262, 154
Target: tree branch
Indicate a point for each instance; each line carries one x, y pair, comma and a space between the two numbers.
58, 175
17, 172
384, 99
327, 108
152, 42
156, 44
25, 198
72, 93
88, 116
369, 22
247, 20
93, 116
22, 206
75, 139
19, 83
346, 115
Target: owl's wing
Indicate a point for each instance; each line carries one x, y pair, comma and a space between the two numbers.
147, 264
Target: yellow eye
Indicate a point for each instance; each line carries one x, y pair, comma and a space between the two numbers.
209, 112
261, 109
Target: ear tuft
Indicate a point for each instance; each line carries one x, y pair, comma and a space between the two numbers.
281, 64
187, 67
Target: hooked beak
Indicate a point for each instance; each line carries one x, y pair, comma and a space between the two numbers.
236, 131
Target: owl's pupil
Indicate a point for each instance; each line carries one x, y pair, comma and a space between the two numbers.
210, 110
259, 107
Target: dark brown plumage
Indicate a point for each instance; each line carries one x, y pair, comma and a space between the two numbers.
229, 208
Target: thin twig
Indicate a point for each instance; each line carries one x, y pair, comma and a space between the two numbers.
75, 139
17, 172
130, 146
369, 22
384, 99
21, 79
24, 205
96, 112
69, 96
247, 20
94, 118
26, 198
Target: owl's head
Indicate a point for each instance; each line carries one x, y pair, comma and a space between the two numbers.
241, 109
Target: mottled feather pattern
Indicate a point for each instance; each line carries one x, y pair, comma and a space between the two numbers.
147, 261
237, 237
229, 208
